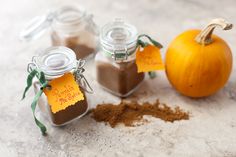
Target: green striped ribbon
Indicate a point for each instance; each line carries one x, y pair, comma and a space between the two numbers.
141, 43
41, 77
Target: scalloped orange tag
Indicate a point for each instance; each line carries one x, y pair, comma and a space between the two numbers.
149, 59
64, 92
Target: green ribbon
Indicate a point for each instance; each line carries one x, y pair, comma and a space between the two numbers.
152, 74
141, 43
41, 77
144, 44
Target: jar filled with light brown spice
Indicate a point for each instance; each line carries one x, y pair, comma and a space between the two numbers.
115, 62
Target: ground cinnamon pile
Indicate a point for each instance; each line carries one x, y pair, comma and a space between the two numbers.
129, 113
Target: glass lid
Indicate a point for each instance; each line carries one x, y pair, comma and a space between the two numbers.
118, 38
56, 61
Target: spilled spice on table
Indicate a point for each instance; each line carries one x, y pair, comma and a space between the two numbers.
129, 113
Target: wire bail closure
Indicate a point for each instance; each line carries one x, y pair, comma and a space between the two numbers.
80, 79
31, 66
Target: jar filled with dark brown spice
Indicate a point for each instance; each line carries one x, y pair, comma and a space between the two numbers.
54, 62
115, 62
70, 26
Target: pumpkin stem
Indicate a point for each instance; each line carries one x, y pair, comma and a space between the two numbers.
205, 36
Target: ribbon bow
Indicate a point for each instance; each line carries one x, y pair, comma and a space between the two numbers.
44, 84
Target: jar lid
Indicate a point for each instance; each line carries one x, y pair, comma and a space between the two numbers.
67, 20
118, 39
68, 15
56, 61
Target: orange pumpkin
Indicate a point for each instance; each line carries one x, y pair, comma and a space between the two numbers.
198, 63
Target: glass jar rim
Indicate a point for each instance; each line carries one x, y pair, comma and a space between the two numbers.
55, 61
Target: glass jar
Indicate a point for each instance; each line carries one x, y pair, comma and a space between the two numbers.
55, 62
71, 27
115, 63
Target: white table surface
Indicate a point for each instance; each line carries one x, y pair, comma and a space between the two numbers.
211, 130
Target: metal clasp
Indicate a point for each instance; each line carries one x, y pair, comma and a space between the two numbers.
32, 65
80, 79
114, 55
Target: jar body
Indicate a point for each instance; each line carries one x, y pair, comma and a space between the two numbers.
83, 42
121, 79
65, 116
53, 63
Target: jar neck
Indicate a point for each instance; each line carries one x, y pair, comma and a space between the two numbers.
119, 53
52, 77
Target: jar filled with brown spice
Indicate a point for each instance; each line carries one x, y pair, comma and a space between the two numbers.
115, 62
54, 62
69, 26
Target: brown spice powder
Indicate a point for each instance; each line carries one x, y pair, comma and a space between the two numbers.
128, 113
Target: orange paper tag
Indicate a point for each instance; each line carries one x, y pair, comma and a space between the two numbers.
149, 59
64, 92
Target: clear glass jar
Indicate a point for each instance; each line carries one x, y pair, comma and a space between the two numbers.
115, 62
71, 27
55, 62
